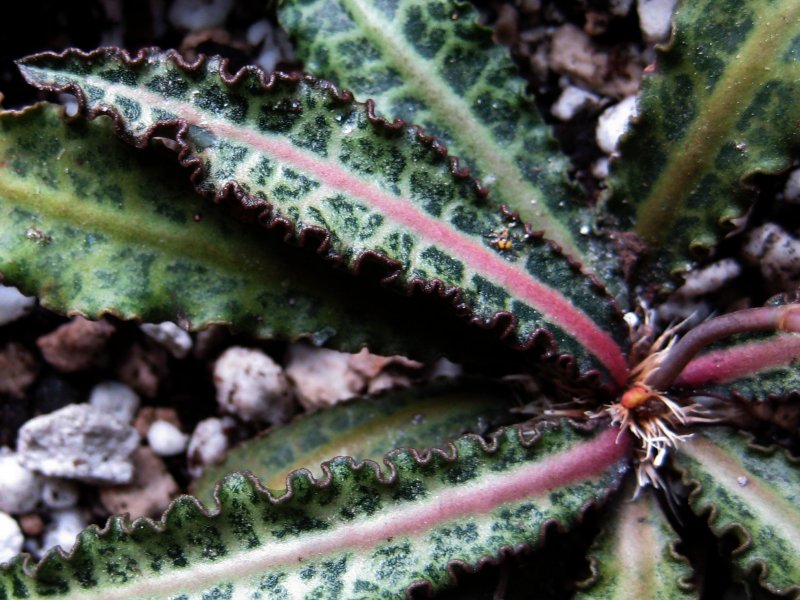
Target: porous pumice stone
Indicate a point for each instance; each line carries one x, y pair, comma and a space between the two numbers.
60, 493
655, 19
777, 254
14, 304
79, 442
252, 386
613, 124
166, 439
11, 538
20, 488
64, 528
321, 376
209, 443
169, 335
116, 399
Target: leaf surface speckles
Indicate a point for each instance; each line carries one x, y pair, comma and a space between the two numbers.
754, 491
723, 105
357, 532
318, 162
634, 556
366, 428
91, 225
430, 62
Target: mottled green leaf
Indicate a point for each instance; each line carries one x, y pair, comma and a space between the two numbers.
323, 165
357, 533
430, 62
90, 225
753, 491
366, 428
634, 556
724, 104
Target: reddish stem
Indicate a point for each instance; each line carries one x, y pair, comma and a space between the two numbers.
776, 318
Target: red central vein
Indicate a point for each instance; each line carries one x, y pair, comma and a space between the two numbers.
722, 366
553, 305
585, 461
549, 302
581, 462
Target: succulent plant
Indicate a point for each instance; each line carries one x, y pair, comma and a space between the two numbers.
517, 274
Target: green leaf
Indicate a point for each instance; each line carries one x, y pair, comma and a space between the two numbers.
321, 165
430, 62
634, 556
366, 428
356, 533
90, 225
724, 105
754, 491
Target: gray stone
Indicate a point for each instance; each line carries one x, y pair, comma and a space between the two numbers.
79, 442
116, 399
252, 386
14, 304
11, 538
20, 488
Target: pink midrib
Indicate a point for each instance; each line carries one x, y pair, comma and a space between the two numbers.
554, 306
584, 461
722, 366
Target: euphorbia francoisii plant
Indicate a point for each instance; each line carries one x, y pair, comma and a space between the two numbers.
499, 260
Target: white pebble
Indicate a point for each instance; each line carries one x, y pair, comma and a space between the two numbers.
711, 278
60, 493
169, 335
791, 193
209, 444
446, 369
572, 101
20, 488
777, 254
14, 304
252, 386
600, 167
619, 8
199, 14
79, 442
165, 439
258, 32
613, 123
70, 104
655, 19
11, 538
63, 530
268, 58
632, 319
116, 399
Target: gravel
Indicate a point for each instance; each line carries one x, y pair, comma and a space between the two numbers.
252, 386
14, 304
79, 442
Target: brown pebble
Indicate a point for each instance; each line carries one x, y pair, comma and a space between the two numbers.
18, 369
76, 345
31, 524
144, 367
151, 491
